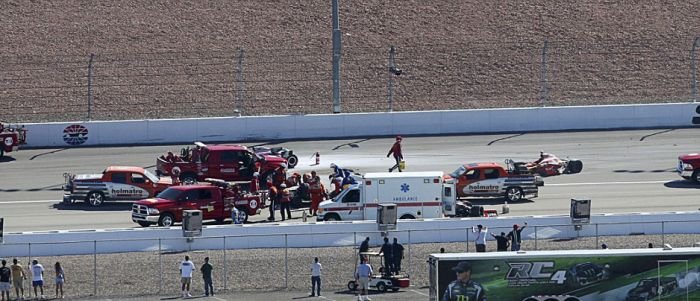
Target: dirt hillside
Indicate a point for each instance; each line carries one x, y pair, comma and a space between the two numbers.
162, 59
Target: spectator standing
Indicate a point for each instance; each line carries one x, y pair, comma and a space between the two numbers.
362, 275
37, 278
316, 278
285, 202
5, 280
18, 277
397, 250
186, 269
60, 278
515, 237
501, 242
480, 240
206, 270
398, 155
388, 259
364, 247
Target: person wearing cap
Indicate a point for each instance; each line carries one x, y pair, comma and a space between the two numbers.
273, 194
480, 240
464, 288
398, 155
515, 237
285, 202
501, 242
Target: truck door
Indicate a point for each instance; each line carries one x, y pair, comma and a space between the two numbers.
350, 206
143, 187
492, 181
187, 201
466, 182
119, 186
227, 166
206, 201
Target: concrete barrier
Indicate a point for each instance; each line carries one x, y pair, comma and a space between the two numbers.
175, 131
334, 234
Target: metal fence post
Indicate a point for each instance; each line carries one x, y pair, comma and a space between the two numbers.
543, 75
337, 45
663, 233
596, 236
694, 69
94, 253
225, 264
535, 238
409, 253
286, 263
160, 265
89, 86
29, 258
240, 83
467, 230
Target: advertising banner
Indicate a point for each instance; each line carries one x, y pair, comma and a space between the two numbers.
581, 278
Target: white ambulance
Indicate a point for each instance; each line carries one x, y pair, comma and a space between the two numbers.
416, 194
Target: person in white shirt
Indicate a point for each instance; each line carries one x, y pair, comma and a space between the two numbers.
362, 275
316, 278
37, 278
186, 269
480, 240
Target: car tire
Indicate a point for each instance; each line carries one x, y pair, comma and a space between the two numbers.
95, 198
382, 287
166, 220
352, 285
188, 178
514, 194
574, 166
696, 176
331, 218
144, 224
292, 161
243, 214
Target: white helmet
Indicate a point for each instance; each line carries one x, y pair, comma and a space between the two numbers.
333, 165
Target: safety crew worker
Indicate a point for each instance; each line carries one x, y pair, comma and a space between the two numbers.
318, 192
272, 193
285, 202
280, 175
254, 183
464, 288
398, 155
175, 175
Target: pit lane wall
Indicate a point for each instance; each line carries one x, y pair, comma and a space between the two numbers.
335, 234
257, 128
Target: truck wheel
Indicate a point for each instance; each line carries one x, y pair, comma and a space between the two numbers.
352, 285
514, 194
331, 218
243, 214
166, 220
188, 179
381, 286
696, 176
292, 161
144, 224
95, 198
407, 216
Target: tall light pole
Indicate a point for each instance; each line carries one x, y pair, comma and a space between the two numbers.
337, 44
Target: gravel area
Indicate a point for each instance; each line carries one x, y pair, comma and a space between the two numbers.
134, 274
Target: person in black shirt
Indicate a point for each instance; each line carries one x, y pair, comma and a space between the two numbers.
388, 259
397, 250
5, 277
501, 242
206, 275
515, 237
364, 247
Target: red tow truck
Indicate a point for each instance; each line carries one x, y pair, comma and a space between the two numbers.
226, 162
477, 180
215, 198
11, 137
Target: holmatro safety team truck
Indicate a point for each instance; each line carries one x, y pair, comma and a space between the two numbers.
416, 194
569, 275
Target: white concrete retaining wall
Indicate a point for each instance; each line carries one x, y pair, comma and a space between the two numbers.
175, 131
303, 235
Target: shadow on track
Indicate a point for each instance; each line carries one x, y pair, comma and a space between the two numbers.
682, 184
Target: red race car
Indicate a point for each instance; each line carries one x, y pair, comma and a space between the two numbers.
547, 165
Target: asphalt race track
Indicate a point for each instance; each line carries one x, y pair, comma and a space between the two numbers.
624, 171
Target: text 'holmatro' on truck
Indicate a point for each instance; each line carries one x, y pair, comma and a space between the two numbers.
416, 195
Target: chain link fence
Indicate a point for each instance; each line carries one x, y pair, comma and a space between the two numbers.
155, 270
250, 82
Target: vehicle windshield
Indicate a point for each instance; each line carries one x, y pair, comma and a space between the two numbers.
458, 172
150, 176
170, 194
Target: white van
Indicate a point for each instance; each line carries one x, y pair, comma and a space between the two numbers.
416, 194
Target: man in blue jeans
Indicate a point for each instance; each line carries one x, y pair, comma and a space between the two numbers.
316, 278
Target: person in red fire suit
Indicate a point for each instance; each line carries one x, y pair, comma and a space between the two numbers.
318, 192
398, 155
